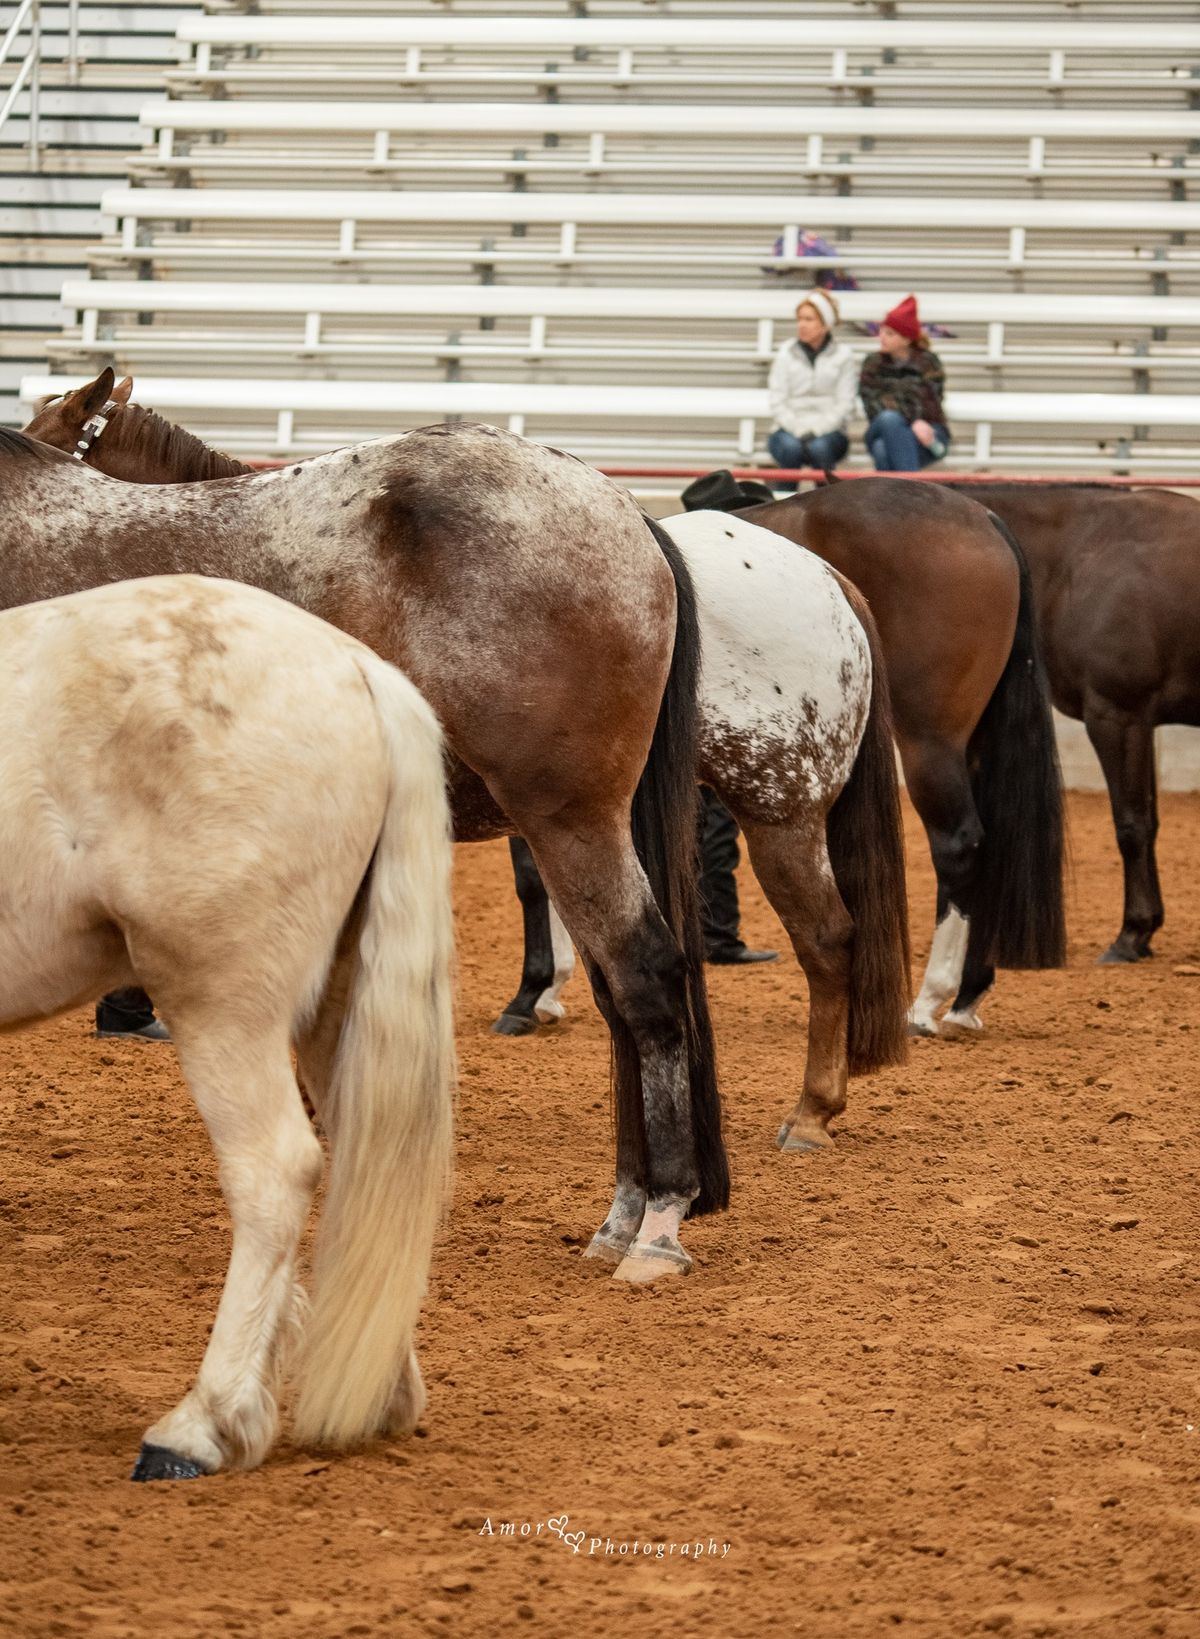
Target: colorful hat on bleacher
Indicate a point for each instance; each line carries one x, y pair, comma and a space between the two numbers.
903, 319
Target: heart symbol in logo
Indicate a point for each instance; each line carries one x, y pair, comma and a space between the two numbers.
558, 1523
574, 1539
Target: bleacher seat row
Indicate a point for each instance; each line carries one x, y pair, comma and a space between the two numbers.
691, 233
704, 332
870, 57
922, 147
608, 423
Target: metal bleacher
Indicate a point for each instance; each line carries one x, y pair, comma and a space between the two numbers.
351, 219
93, 80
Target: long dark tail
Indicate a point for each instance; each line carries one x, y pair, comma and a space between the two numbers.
865, 838
1017, 916
664, 834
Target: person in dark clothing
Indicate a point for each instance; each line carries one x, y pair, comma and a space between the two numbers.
901, 390
129, 1012
719, 858
720, 491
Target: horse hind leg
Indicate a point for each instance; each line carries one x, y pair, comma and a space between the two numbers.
605, 901
549, 959
1125, 747
792, 865
940, 788
269, 1161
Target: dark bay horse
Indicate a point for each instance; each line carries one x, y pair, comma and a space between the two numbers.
1116, 575
475, 561
951, 596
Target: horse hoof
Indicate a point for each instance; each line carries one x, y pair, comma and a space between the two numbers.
919, 1028
161, 1463
608, 1249
642, 1264
810, 1139
1114, 957
962, 1027
514, 1024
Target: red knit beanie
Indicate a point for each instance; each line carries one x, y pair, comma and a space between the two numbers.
903, 319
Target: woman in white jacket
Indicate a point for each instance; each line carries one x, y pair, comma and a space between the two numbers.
812, 387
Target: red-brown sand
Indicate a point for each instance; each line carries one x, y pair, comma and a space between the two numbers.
943, 1380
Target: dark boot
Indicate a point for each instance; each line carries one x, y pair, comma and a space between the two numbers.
719, 856
129, 1013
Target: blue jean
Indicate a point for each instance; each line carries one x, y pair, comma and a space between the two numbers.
894, 447
825, 450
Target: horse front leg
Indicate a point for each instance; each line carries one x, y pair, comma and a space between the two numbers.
1125, 747
549, 958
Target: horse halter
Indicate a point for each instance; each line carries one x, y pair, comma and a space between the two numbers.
91, 430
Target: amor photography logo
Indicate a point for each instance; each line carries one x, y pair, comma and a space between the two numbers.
580, 1542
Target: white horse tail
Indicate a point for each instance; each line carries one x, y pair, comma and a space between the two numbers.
390, 1104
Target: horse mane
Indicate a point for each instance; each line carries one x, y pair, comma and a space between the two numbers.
189, 458
18, 444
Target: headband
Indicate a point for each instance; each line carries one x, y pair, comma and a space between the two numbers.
819, 300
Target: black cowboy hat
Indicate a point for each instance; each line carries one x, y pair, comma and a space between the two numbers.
720, 491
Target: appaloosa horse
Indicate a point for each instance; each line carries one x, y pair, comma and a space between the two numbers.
208, 791
1116, 576
476, 561
796, 739
951, 596
788, 725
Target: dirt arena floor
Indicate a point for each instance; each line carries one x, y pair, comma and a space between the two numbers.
944, 1380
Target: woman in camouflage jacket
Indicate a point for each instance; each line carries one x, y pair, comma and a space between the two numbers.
901, 391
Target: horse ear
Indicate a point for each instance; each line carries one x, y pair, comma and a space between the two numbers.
92, 397
120, 393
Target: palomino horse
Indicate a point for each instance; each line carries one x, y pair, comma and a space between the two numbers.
950, 593
477, 562
207, 791
796, 739
1116, 576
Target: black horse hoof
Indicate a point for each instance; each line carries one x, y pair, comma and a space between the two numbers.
514, 1024
1122, 956
161, 1463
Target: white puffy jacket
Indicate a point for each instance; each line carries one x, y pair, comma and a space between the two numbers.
810, 399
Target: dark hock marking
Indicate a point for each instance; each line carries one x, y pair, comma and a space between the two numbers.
355, 460
161, 1463
776, 687
746, 563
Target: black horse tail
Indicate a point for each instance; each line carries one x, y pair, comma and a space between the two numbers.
865, 838
664, 834
1017, 914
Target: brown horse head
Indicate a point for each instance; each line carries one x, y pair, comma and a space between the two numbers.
98, 424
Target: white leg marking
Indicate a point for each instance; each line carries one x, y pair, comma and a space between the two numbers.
943, 972
548, 1008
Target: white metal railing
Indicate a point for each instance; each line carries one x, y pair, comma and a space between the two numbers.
29, 75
